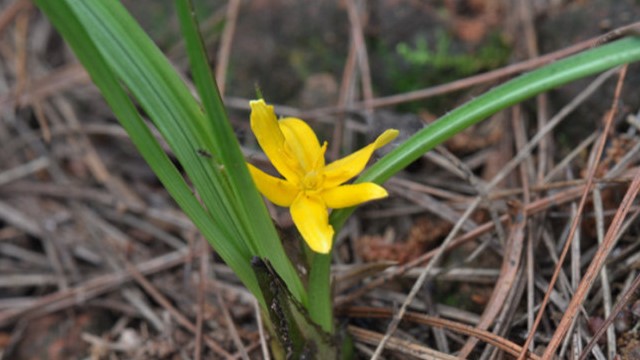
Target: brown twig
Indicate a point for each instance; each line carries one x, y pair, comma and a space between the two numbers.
627, 30
20, 36
87, 290
9, 13
231, 326
463, 83
361, 51
585, 283
393, 325
23, 170
263, 338
624, 300
604, 276
534, 207
504, 344
344, 97
240, 103
177, 315
404, 347
224, 53
527, 16
203, 272
523, 154
518, 126
508, 271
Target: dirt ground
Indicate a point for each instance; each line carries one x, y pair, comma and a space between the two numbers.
97, 261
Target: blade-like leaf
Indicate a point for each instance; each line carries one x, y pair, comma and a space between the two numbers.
519, 89
67, 20
254, 216
141, 66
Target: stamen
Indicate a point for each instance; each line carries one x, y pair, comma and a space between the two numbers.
311, 181
319, 162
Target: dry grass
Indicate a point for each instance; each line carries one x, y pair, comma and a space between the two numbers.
96, 260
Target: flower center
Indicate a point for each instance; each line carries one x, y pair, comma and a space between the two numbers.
312, 180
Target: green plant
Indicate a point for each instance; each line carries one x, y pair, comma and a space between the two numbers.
443, 59
411, 66
129, 69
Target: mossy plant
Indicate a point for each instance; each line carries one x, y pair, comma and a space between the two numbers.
413, 66
443, 59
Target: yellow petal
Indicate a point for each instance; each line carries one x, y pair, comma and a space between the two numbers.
264, 125
302, 142
311, 217
278, 191
351, 195
349, 166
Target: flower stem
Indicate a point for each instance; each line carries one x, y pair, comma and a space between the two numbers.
319, 292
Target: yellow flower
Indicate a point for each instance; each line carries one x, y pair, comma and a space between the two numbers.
309, 186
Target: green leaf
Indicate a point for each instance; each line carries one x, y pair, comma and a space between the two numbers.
252, 213
321, 309
145, 71
587, 63
115, 51
519, 89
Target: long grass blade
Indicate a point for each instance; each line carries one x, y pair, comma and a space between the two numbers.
590, 62
73, 22
263, 238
